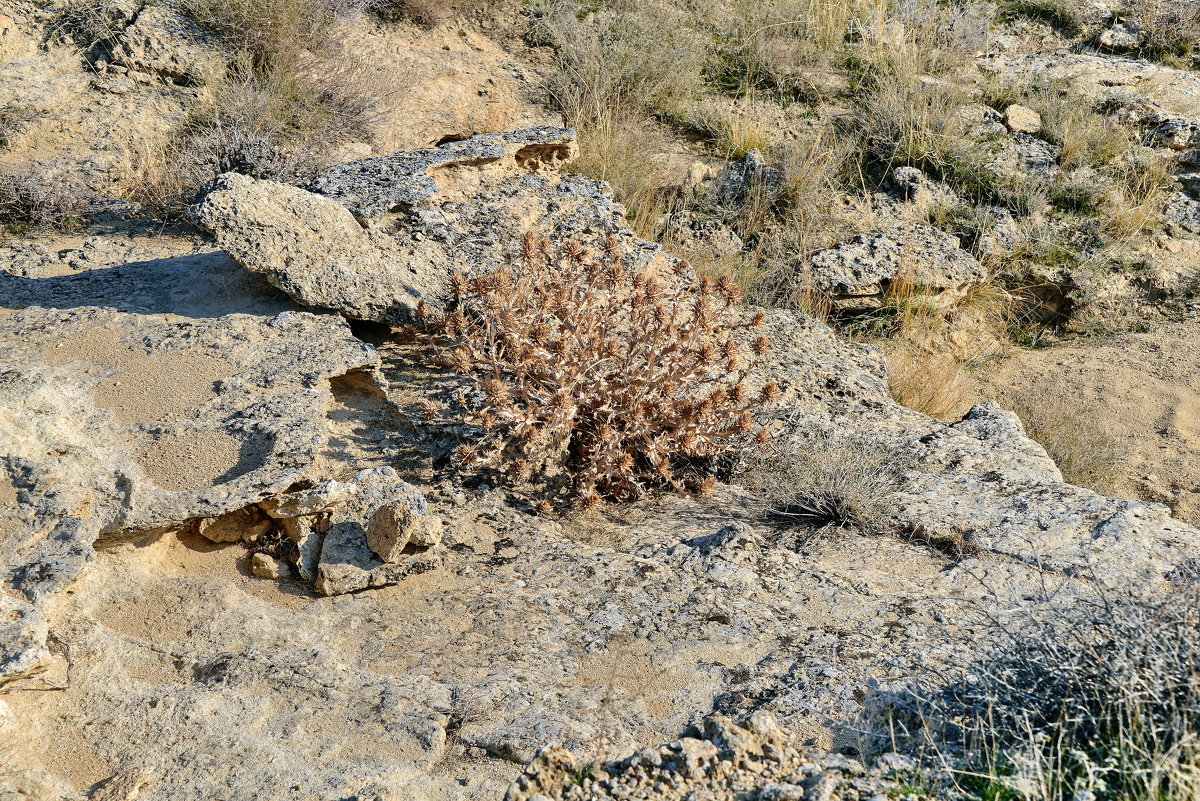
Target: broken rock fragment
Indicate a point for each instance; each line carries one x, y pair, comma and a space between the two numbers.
394, 527
370, 531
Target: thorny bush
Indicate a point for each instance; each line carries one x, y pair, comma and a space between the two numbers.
619, 381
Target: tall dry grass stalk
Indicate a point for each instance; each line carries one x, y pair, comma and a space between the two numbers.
628, 154
1083, 447
930, 381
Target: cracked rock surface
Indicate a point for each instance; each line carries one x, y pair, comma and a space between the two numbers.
175, 429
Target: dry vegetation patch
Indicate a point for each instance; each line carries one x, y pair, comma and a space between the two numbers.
1076, 437
600, 382
826, 480
1082, 697
33, 197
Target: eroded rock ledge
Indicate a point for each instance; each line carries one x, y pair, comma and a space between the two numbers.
184, 394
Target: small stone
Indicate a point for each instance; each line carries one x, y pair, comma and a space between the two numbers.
266, 566
1123, 36
126, 785
1022, 119
394, 526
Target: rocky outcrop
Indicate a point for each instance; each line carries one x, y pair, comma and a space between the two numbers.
370, 531
856, 274
158, 411
413, 228
1022, 119
157, 40
457, 171
147, 397
747, 180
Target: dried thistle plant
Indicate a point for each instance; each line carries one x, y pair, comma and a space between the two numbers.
618, 381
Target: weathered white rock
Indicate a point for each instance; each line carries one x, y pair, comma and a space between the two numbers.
353, 535
160, 41
1022, 119
22, 640
394, 527
147, 396
1123, 36
312, 248
266, 566
856, 273
375, 237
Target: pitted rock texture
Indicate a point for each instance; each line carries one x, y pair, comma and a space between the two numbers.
857, 273
716, 760
416, 226
312, 248
149, 395
371, 187
157, 40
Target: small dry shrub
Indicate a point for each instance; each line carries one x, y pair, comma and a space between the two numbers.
1081, 697
90, 24
35, 198
827, 480
641, 56
626, 381
626, 152
273, 30
14, 118
426, 13
1074, 435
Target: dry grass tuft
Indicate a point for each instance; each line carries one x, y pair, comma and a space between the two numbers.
625, 381
289, 96
827, 481
626, 152
35, 198
1093, 697
928, 380
1170, 28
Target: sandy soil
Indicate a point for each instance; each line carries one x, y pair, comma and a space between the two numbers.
1146, 389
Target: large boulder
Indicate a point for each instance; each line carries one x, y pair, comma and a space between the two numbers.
313, 249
